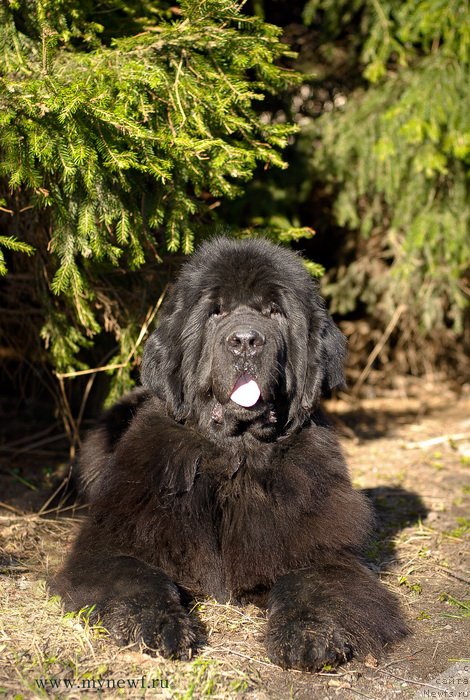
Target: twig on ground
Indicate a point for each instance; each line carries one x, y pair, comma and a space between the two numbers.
359, 692
68, 419
84, 400
250, 658
62, 510
378, 348
148, 320
453, 574
17, 511
404, 658
422, 444
71, 424
35, 436
32, 446
61, 487
408, 680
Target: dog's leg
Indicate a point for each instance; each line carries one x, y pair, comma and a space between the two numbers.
135, 602
329, 612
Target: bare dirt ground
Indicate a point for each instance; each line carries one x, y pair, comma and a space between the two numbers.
411, 455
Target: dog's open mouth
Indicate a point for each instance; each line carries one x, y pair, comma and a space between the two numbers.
246, 391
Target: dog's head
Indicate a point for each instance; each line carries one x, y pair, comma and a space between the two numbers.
244, 340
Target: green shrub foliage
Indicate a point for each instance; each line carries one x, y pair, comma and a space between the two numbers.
122, 125
126, 126
395, 154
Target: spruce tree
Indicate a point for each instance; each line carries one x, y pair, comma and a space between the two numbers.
394, 151
380, 169
122, 127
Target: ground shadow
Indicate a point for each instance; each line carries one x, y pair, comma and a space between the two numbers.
363, 424
394, 509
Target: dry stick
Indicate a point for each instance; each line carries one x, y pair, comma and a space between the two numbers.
251, 658
404, 658
86, 393
63, 485
94, 370
49, 454
12, 508
73, 507
453, 575
358, 692
408, 680
71, 425
33, 445
148, 320
34, 436
378, 348
451, 437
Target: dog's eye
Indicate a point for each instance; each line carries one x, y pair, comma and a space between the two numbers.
273, 310
216, 311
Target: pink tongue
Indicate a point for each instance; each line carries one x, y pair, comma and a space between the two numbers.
246, 392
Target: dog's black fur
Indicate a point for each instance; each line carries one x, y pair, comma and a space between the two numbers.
192, 494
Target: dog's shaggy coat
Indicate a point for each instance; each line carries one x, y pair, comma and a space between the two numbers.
192, 493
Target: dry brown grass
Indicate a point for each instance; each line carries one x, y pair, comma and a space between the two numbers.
420, 557
38, 642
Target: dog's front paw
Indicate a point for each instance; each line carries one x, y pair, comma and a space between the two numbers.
305, 643
168, 630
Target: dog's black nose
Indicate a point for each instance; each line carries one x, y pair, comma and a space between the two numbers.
246, 341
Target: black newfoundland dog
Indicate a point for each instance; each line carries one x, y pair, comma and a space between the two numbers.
221, 477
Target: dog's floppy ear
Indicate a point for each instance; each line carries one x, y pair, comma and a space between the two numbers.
326, 355
318, 361
332, 352
161, 365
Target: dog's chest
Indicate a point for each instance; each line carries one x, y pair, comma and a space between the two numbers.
235, 528
255, 513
